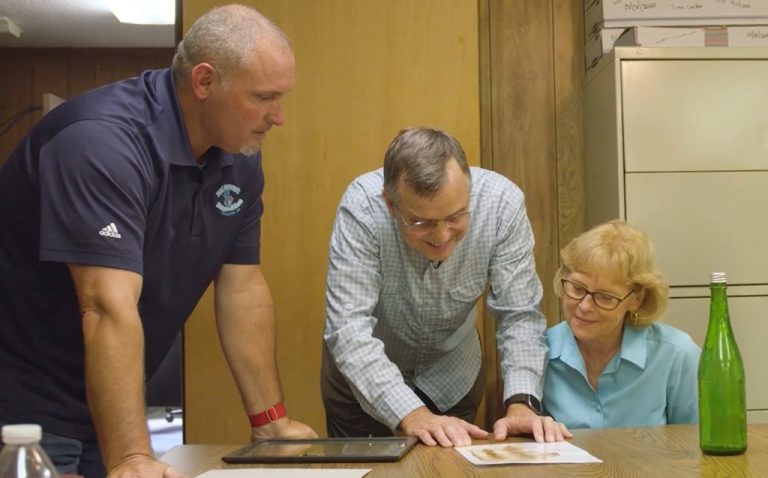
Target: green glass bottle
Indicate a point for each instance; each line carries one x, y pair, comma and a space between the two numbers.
722, 391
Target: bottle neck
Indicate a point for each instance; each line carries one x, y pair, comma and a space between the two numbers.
717, 289
718, 305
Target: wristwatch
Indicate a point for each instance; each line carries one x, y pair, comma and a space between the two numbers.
526, 399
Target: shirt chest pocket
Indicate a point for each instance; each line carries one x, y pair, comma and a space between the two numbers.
461, 299
468, 290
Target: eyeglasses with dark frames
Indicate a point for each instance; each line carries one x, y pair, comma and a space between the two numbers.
600, 299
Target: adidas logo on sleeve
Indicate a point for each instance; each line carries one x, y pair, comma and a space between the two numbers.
110, 231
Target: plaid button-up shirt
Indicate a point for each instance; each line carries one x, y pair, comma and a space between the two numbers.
393, 321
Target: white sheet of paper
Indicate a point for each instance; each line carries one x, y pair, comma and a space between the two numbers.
286, 473
526, 452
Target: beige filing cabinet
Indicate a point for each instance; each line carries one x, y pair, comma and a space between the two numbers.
676, 141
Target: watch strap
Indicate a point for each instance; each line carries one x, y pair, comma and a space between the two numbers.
526, 399
275, 412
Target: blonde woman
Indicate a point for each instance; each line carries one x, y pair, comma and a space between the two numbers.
610, 363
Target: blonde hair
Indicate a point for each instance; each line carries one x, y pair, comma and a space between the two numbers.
623, 251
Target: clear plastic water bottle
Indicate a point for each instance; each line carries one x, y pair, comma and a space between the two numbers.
22, 455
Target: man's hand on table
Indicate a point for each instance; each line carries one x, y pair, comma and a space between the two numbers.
284, 428
142, 466
521, 420
440, 430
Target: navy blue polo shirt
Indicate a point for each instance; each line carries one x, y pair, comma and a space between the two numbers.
108, 179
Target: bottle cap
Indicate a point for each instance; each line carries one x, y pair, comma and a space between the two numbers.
21, 434
718, 277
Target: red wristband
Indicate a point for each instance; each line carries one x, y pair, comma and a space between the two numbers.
275, 412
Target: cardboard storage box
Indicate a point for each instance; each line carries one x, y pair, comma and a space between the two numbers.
628, 13
731, 36
599, 45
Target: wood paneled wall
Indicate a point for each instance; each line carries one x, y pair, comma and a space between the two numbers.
27, 73
531, 72
365, 69
504, 76
531, 82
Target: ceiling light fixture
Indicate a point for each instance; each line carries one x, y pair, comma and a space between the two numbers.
144, 12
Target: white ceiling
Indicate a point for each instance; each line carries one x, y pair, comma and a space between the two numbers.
77, 24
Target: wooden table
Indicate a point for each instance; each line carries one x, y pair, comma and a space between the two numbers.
658, 452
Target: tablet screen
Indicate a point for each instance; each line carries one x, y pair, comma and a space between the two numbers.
323, 450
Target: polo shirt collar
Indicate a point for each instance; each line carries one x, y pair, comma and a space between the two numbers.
214, 156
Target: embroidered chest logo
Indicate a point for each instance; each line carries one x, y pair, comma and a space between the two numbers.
229, 203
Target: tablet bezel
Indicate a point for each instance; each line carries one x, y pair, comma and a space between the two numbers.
379, 449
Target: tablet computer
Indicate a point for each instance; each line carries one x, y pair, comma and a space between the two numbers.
323, 450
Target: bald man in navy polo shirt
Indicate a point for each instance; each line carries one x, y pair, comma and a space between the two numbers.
118, 210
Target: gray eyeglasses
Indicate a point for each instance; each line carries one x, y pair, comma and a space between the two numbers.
423, 226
